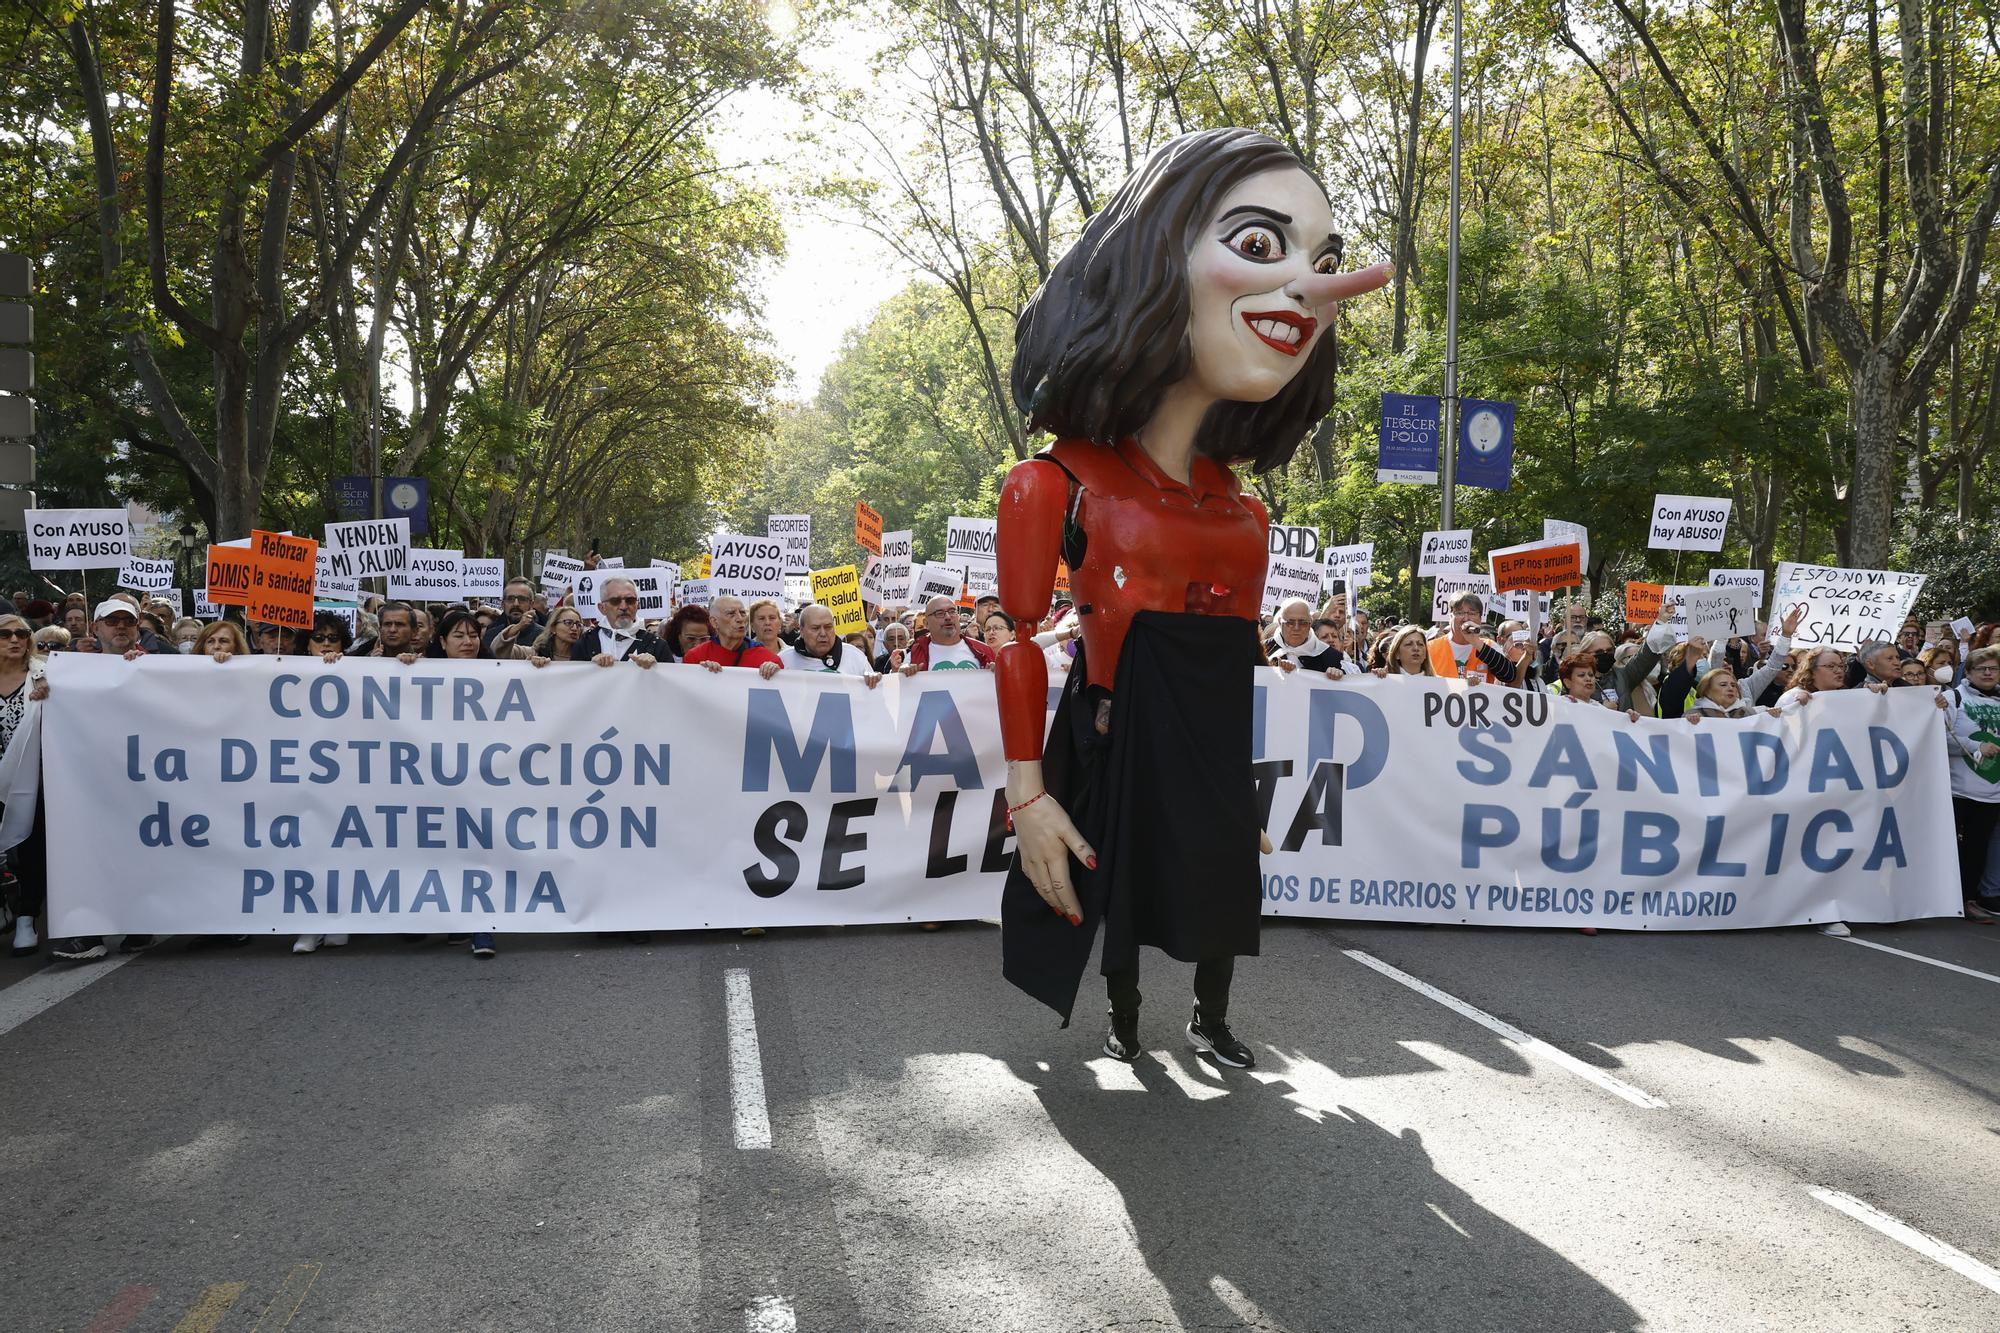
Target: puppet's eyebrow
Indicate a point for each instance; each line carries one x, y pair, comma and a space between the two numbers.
1332, 245
1261, 211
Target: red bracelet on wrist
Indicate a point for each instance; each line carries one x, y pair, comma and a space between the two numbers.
1023, 806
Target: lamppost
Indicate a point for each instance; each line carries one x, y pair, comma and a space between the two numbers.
189, 533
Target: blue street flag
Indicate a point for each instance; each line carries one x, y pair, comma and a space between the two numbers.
408, 497
1485, 443
351, 497
1409, 439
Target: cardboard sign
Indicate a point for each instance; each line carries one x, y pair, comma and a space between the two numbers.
871, 581
1352, 565
898, 555
328, 587
1642, 602
205, 609
796, 532
1688, 523
798, 591
971, 548
281, 579
558, 571
78, 538
694, 592
1294, 542
934, 581
229, 579
1446, 553
654, 588
747, 567
1062, 580
1518, 606
839, 591
484, 578
699, 566
1844, 607
1446, 588
673, 570
433, 575
1555, 527
368, 548
1753, 579
867, 528
1710, 613
146, 575
1286, 578
1536, 567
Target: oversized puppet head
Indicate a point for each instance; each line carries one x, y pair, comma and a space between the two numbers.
1214, 271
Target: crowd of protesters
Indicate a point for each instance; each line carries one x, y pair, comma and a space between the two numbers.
1583, 660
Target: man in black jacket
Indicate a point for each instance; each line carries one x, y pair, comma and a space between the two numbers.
1294, 645
521, 618
617, 636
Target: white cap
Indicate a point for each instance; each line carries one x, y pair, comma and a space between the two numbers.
112, 606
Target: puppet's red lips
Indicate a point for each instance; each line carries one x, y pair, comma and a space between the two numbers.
1285, 330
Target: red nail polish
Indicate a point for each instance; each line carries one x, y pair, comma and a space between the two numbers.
1076, 921
1092, 863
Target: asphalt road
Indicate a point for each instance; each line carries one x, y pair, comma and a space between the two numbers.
572, 1137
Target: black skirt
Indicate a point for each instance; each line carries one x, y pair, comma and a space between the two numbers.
1167, 800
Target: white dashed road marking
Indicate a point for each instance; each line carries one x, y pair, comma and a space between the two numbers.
51, 986
1921, 958
746, 1073
1957, 1260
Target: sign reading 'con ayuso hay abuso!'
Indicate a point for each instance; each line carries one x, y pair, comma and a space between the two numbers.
284, 795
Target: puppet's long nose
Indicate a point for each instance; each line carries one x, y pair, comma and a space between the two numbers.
1318, 289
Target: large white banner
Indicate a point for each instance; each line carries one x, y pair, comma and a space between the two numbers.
285, 796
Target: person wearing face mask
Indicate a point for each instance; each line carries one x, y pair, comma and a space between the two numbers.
1614, 682
185, 631
1974, 709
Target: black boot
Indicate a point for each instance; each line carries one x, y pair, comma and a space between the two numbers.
1213, 1036
1122, 1041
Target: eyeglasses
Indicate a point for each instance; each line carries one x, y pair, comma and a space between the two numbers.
619, 601
1293, 622
519, 597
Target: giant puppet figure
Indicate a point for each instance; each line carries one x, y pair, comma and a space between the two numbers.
1187, 330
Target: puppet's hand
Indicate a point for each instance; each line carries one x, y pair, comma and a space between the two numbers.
1047, 839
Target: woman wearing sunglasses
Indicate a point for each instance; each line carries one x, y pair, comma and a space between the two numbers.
22, 688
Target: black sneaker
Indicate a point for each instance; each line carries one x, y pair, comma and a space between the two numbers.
81, 949
1122, 1042
1214, 1037
134, 943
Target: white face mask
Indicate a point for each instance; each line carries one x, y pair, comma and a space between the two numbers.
185, 645
1942, 675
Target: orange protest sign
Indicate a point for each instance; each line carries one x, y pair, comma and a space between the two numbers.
281, 579
867, 528
1062, 579
229, 575
1642, 602
1536, 568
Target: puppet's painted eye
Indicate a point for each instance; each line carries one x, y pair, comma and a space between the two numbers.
1258, 241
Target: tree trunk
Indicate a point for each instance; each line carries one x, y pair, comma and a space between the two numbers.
1873, 414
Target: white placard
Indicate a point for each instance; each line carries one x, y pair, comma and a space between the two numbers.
1446, 587
935, 581
1355, 564
611, 562
367, 548
694, 592
557, 571
1559, 527
146, 575
1703, 611
331, 587
79, 538
871, 581
898, 572
1445, 552
748, 567
1963, 627
433, 575
798, 591
1286, 578
484, 577
796, 532
655, 587
970, 546
1753, 579
1518, 606
673, 570
205, 609
1688, 523
1844, 607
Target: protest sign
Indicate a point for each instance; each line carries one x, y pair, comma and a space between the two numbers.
146, 575
77, 538
1557, 527
694, 592
1753, 579
229, 575
1536, 567
1445, 552
483, 577
585, 590
367, 548
700, 565
1706, 612
673, 570
871, 581
894, 801
933, 581
1445, 588
654, 586
1844, 607
1688, 523
281, 579
1963, 627
969, 547
867, 528
795, 531
1352, 564
1642, 602
1287, 577
1519, 606
798, 591
611, 562
747, 567
1294, 541
432, 575
557, 571
1062, 588
329, 587
839, 591
898, 557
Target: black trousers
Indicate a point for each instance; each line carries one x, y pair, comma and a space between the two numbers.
1211, 986
30, 894
1975, 820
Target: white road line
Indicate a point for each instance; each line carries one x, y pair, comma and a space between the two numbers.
1957, 1260
51, 986
1921, 958
770, 1314
746, 1070
1508, 1032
